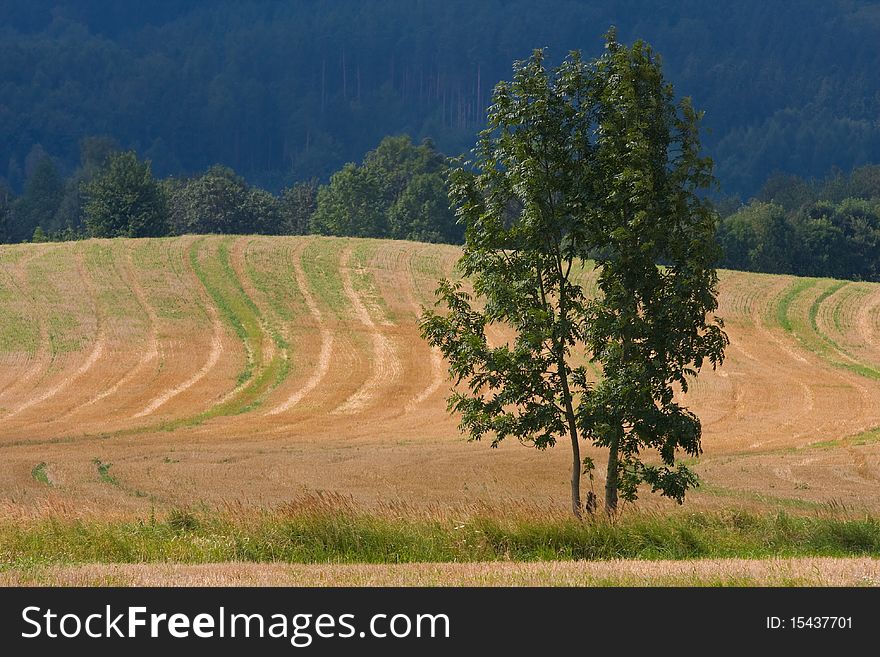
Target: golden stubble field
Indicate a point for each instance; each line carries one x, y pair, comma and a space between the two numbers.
209, 371
815, 571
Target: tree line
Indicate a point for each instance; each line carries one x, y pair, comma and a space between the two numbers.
398, 191
808, 227
827, 227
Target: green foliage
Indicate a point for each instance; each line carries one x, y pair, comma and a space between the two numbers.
39, 473
124, 200
68, 222
398, 191
182, 521
841, 241
351, 205
104, 472
588, 158
39, 235
298, 204
758, 237
220, 201
793, 192
43, 193
649, 327
285, 91
819, 238
263, 213
422, 212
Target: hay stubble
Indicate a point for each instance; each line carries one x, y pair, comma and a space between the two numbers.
157, 389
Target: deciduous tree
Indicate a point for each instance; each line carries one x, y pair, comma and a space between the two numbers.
399, 191
588, 159
125, 200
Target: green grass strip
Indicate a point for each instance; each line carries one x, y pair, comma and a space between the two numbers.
858, 368
808, 333
320, 263
267, 283
794, 291
233, 310
330, 536
240, 312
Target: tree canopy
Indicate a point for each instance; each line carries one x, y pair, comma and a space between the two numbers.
398, 191
220, 201
827, 227
587, 158
124, 200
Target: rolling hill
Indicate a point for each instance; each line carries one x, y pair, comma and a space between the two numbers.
248, 370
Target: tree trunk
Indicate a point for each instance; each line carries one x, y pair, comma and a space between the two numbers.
575, 475
613, 459
611, 480
575, 447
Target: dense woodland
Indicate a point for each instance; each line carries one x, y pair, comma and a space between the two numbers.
245, 116
825, 227
282, 91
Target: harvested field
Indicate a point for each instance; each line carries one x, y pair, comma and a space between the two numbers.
207, 371
720, 572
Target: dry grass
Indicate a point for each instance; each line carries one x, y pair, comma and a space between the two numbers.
716, 572
786, 421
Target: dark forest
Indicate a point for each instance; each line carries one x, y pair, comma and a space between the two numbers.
288, 91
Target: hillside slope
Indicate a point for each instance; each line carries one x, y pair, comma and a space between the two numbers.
139, 373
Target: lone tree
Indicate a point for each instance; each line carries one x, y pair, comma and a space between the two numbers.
588, 160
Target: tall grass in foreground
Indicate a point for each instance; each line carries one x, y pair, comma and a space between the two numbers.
323, 534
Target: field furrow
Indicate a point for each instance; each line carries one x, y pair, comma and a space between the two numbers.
319, 365
385, 363
207, 359
149, 354
248, 370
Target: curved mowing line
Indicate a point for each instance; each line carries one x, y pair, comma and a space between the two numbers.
796, 289
94, 356
438, 372
438, 376
855, 365
326, 341
222, 303
213, 357
243, 316
152, 351
385, 365
263, 377
257, 379
826, 345
814, 309
269, 327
